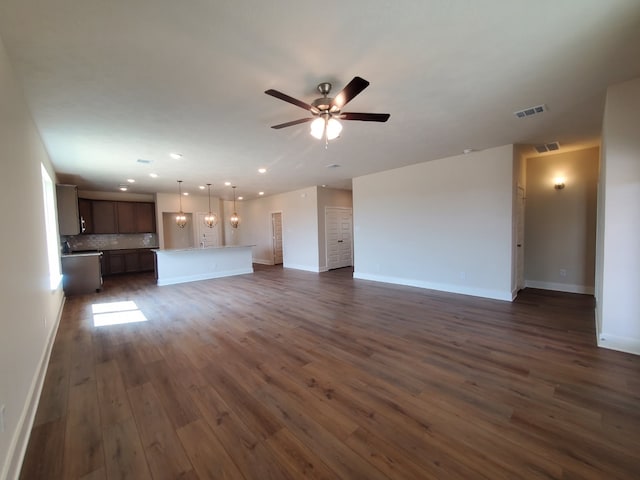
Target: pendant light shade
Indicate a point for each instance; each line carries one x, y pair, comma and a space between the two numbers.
210, 219
234, 220
326, 127
181, 218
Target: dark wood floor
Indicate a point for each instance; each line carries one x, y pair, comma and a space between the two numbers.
285, 374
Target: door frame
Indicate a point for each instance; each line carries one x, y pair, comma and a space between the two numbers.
273, 236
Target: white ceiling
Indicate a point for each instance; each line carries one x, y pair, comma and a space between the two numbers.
113, 81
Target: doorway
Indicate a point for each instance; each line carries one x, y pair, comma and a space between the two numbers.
276, 235
207, 237
339, 237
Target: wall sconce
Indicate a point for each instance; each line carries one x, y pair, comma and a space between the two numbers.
558, 183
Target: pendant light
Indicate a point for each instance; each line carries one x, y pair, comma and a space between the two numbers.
181, 218
234, 220
210, 220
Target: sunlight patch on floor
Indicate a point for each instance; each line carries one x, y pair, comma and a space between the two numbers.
116, 313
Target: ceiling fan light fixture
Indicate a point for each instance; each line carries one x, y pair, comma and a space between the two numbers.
317, 128
334, 127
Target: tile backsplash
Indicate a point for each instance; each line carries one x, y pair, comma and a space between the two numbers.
112, 241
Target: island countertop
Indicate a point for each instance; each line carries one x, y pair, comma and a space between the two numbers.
180, 265
169, 250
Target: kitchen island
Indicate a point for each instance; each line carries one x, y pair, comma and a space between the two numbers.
192, 264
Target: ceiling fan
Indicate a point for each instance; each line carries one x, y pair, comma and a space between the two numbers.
326, 111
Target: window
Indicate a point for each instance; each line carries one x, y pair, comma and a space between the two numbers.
48, 193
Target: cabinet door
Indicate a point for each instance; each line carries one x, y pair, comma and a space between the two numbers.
145, 217
104, 216
131, 261
67, 201
147, 260
116, 263
86, 215
126, 217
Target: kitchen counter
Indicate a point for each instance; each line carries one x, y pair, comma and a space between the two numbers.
192, 264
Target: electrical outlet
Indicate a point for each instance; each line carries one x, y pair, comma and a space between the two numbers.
563, 272
2, 409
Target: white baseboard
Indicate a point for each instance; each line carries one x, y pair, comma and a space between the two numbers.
203, 276
18, 446
621, 344
560, 287
441, 287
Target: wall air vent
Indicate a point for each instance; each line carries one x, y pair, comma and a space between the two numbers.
548, 147
528, 112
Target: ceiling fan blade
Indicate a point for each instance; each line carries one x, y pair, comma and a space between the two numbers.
294, 101
353, 88
294, 122
365, 117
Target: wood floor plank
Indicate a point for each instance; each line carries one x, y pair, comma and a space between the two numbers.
112, 396
207, 455
83, 448
124, 456
46, 437
163, 450
291, 374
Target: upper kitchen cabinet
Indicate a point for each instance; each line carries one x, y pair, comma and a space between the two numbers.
68, 217
104, 216
85, 208
136, 217
145, 217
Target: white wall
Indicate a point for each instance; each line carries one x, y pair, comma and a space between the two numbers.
329, 197
193, 203
560, 238
30, 310
299, 228
618, 294
444, 224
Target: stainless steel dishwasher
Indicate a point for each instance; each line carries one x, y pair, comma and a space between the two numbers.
81, 272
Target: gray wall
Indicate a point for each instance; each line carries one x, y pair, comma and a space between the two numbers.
30, 309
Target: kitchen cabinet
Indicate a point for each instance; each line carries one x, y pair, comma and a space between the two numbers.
136, 217
111, 217
145, 214
128, 261
85, 208
104, 216
68, 217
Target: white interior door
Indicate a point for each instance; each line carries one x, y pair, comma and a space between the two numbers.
276, 229
339, 237
206, 237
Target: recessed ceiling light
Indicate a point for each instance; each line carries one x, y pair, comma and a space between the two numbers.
201, 187
186, 194
227, 184
262, 170
124, 188
153, 175
260, 193
466, 151
240, 198
176, 156
131, 180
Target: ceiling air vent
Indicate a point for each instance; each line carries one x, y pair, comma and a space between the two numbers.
142, 160
528, 112
548, 147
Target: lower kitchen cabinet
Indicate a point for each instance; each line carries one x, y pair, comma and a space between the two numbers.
128, 261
